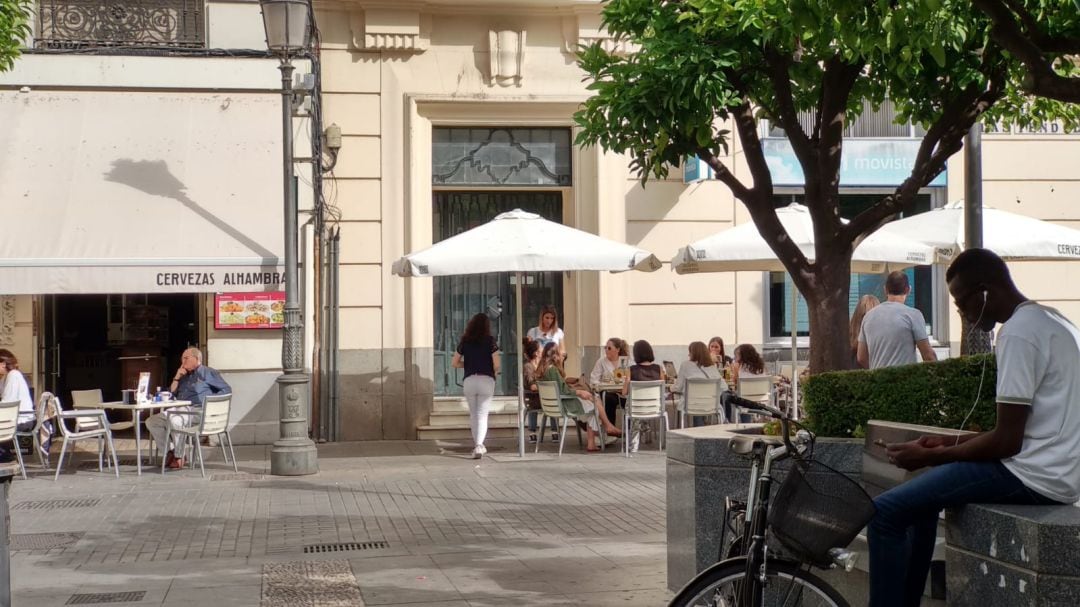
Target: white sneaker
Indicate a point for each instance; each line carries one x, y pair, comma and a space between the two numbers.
478, 452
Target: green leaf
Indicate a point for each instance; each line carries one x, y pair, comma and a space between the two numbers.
938, 53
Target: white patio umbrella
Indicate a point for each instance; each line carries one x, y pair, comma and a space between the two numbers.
742, 248
1013, 237
517, 241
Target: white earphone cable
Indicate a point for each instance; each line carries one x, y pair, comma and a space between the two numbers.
982, 373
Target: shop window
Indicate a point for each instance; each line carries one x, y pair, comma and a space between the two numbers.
501, 156
780, 286
121, 23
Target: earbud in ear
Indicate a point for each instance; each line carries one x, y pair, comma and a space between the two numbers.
984, 297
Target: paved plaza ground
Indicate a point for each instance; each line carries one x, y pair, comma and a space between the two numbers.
386, 523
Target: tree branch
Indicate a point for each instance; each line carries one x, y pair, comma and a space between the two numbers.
747, 127
778, 68
725, 176
943, 139
1042, 80
824, 187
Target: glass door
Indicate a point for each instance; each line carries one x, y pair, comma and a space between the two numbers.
458, 298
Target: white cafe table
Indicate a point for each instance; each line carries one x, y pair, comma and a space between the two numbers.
135, 409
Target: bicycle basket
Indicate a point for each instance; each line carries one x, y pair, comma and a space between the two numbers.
817, 509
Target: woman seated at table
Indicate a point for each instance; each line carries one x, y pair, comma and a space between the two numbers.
549, 372
700, 366
644, 369
532, 353
720, 357
748, 363
604, 373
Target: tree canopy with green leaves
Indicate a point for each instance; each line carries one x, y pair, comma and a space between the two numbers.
699, 69
14, 30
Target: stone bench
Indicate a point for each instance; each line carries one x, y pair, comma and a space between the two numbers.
1013, 556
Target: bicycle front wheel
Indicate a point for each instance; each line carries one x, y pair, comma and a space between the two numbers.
785, 586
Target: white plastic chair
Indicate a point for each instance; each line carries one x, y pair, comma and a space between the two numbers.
645, 401
212, 419
553, 405
702, 399
755, 388
33, 434
89, 423
9, 421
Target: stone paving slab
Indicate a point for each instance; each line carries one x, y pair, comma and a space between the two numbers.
437, 528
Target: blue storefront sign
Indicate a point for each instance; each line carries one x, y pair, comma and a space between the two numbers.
695, 169
866, 162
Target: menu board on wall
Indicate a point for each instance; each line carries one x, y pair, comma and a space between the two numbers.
249, 310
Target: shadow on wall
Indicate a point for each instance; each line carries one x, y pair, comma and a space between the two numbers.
154, 177
384, 404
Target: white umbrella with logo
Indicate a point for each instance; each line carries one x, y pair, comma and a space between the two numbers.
1013, 237
519, 242
742, 248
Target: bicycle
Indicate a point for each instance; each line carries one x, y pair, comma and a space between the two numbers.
816, 513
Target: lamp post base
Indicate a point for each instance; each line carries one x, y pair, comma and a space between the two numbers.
294, 454
294, 457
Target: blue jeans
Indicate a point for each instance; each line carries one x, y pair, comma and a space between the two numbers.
902, 532
531, 416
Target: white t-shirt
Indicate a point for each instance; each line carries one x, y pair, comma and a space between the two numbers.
544, 338
1038, 365
15, 389
602, 367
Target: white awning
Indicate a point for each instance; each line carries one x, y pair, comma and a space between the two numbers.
148, 192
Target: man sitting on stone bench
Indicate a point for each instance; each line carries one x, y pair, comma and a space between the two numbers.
1032, 456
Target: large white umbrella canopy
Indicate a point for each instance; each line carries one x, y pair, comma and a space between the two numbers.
1013, 237
742, 248
517, 241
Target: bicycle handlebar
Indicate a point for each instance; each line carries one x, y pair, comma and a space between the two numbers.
728, 398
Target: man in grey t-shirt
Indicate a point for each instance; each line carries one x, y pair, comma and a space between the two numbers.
891, 332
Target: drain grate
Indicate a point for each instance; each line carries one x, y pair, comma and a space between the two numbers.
310, 583
43, 541
236, 476
344, 547
97, 598
56, 504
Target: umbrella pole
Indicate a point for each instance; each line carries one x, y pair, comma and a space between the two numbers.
794, 351
521, 376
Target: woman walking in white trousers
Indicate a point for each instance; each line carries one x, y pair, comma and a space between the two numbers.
478, 354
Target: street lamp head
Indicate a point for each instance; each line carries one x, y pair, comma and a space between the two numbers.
287, 25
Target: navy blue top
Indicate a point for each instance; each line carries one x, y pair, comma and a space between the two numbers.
200, 383
477, 356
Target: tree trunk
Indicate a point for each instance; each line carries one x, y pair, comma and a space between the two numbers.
827, 302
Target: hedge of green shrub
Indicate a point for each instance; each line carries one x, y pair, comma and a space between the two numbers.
933, 394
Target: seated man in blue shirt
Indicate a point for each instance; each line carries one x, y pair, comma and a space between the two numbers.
193, 381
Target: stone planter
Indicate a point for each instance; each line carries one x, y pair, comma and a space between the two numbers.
702, 471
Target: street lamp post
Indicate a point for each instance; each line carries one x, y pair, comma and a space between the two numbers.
288, 34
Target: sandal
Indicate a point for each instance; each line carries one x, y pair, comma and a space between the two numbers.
593, 450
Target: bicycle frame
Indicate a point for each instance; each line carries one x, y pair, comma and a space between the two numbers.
756, 525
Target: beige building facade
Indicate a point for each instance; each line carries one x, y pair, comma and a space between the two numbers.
401, 78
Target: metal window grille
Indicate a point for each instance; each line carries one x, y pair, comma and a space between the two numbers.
871, 123
121, 23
